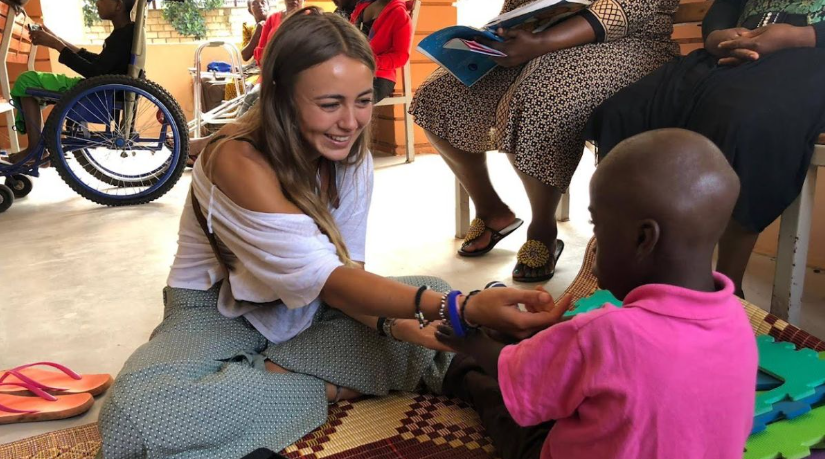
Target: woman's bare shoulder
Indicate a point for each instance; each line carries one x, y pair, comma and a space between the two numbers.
243, 173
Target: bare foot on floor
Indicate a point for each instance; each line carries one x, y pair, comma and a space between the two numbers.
331, 389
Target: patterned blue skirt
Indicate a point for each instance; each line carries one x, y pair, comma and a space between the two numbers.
198, 388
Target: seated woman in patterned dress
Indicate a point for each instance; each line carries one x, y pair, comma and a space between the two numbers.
269, 313
533, 107
756, 90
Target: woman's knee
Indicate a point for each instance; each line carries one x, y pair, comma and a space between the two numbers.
434, 283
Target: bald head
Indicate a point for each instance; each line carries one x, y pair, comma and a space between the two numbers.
674, 176
662, 196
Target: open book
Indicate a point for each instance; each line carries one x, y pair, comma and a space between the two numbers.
456, 49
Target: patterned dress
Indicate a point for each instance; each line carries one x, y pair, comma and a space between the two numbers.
537, 111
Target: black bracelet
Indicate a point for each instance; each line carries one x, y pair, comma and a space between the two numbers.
380, 326
464, 307
418, 314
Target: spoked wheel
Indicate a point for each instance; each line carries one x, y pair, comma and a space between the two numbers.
6, 198
117, 140
20, 185
97, 169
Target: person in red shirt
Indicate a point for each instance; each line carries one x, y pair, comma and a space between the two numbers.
271, 25
388, 26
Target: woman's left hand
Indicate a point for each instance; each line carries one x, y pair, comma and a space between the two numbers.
407, 330
751, 45
519, 45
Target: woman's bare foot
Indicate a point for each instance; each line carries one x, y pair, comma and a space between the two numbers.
332, 390
497, 221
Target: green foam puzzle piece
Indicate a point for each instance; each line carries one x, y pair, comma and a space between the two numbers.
592, 302
789, 439
800, 370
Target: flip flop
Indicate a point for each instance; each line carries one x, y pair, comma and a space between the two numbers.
44, 407
535, 254
65, 381
478, 227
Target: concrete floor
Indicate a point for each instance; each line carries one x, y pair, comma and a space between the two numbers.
81, 284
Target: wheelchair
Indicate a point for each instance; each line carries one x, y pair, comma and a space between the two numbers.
116, 140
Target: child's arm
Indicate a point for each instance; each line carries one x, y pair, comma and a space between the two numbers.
116, 51
478, 345
484, 350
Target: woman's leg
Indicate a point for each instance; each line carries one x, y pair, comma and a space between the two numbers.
457, 121
768, 142
471, 170
735, 250
542, 122
347, 353
544, 199
382, 88
200, 384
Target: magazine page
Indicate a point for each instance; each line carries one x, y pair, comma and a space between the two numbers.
537, 15
467, 67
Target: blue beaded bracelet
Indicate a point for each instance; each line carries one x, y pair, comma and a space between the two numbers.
452, 309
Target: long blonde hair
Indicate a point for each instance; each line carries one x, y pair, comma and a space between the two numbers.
307, 38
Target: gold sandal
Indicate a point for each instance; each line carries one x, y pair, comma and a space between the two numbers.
478, 227
535, 254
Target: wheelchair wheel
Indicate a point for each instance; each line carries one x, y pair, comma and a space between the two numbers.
20, 185
86, 159
107, 159
6, 198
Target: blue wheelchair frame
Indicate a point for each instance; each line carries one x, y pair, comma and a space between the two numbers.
89, 108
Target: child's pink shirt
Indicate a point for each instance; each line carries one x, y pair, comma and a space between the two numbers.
672, 374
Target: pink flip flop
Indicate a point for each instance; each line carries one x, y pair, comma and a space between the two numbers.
44, 407
64, 381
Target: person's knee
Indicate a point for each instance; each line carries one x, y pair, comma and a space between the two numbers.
121, 437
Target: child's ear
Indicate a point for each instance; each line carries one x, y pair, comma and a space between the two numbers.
648, 237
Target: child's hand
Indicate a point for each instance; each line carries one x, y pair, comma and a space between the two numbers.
497, 308
446, 335
407, 330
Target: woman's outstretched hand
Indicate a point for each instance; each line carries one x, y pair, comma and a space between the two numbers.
497, 308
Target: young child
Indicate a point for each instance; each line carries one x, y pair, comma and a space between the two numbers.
114, 59
672, 373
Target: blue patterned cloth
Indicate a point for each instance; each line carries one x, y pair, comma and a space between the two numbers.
198, 388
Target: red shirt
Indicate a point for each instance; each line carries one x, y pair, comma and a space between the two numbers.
390, 37
270, 26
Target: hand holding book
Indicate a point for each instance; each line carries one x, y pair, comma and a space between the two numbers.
509, 40
519, 46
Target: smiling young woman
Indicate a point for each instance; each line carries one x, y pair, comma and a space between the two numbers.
269, 312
